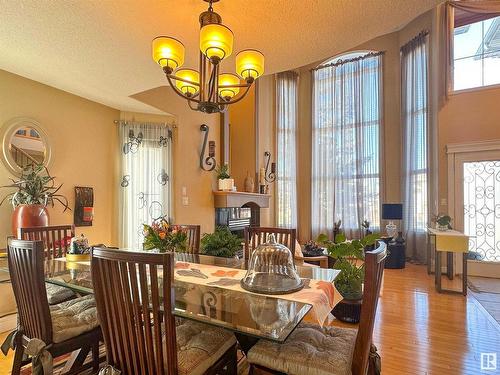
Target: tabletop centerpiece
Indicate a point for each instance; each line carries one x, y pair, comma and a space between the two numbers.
443, 222
222, 243
165, 237
271, 270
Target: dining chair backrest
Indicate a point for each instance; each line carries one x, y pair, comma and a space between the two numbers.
26, 268
55, 238
254, 236
134, 297
374, 270
193, 238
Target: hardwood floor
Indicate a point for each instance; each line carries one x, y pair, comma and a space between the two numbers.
419, 331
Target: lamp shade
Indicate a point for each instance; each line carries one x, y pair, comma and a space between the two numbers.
168, 52
227, 79
189, 85
216, 41
392, 211
250, 64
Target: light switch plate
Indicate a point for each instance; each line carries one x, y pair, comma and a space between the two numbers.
185, 201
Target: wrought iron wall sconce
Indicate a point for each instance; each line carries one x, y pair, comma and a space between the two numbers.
207, 163
270, 175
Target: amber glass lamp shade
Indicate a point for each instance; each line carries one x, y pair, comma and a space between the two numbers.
168, 52
250, 64
189, 85
216, 41
228, 79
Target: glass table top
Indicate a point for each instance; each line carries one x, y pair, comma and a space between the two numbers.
260, 316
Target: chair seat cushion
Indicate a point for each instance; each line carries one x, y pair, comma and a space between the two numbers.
57, 294
199, 346
73, 317
310, 349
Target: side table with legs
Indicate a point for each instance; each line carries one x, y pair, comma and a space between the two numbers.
449, 242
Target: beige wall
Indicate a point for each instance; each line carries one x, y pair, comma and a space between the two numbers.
242, 139
82, 135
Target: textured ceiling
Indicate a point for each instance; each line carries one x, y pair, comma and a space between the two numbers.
100, 49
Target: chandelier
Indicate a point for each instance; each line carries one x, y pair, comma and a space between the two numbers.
207, 89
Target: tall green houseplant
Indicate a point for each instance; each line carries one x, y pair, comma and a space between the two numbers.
350, 256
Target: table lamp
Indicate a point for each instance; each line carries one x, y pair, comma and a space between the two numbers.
392, 211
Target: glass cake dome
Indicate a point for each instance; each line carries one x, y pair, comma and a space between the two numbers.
271, 270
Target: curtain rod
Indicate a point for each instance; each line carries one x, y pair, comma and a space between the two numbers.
341, 62
125, 122
420, 35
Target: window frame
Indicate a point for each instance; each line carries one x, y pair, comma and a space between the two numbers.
451, 62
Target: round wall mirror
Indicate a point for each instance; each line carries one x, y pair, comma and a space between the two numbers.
24, 143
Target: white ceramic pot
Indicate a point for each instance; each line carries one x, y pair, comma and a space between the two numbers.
226, 185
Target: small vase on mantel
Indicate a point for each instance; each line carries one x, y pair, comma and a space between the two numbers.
249, 183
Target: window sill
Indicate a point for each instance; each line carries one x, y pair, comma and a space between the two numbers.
474, 89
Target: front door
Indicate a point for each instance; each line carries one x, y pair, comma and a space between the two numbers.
477, 209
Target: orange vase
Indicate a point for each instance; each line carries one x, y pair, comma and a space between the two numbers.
29, 215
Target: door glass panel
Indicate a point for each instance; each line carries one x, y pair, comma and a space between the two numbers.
482, 209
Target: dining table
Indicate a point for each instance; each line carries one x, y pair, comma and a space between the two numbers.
251, 316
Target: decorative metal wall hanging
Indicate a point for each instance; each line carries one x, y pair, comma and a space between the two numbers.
207, 163
270, 175
84, 206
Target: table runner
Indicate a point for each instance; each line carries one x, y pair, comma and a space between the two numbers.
321, 295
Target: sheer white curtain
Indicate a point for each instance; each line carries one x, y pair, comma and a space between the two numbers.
286, 129
347, 116
415, 120
145, 178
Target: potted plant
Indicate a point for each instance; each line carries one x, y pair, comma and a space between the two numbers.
350, 257
221, 243
225, 182
443, 222
164, 237
34, 191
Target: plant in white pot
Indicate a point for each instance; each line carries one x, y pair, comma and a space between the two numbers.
35, 190
225, 182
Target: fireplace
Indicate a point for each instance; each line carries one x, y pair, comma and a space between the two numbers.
237, 210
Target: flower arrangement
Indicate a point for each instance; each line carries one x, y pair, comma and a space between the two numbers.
165, 237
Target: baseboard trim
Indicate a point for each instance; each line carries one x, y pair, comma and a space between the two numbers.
8, 323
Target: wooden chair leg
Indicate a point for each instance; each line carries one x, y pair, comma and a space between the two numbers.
18, 360
95, 356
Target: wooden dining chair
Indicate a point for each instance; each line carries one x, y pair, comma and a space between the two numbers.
63, 328
328, 350
255, 236
193, 238
55, 241
135, 301
55, 238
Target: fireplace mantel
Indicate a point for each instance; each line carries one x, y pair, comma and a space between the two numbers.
224, 199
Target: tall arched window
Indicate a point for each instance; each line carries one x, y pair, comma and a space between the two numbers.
347, 116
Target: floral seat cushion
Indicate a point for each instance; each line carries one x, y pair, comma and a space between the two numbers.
57, 294
73, 317
199, 346
310, 349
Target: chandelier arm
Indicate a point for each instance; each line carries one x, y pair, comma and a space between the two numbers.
175, 78
239, 97
178, 92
